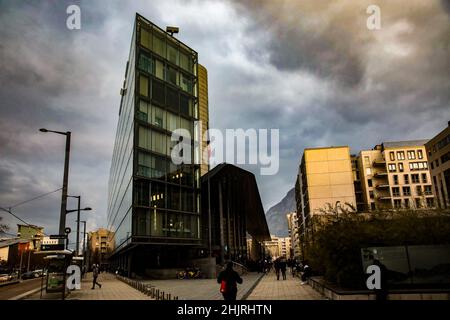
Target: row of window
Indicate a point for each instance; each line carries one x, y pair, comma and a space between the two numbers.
413, 166
415, 178
166, 96
157, 42
418, 203
160, 168
163, 119
161, 195
160, 223
401, 155
166, 72
406, 191
444, 158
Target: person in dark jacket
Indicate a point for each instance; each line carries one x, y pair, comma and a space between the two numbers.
95, 272
276, 265
230, 278
283, 266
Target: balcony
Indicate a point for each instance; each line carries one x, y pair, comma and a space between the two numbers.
380, 174
384, 197
379, 163
382, 186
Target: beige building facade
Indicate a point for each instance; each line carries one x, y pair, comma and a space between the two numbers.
295, 249
438, 151
395, 175
100, 246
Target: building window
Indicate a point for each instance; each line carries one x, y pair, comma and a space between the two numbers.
372, 206
427, 190
159, 69
418, 165
172, 99
159, 45
406, 191
172, 54
185, 105
424, 178
419, 190
173, 121
415, 178
145, 63
368, 171
186, 83
430, 202
396, 192
371, 195
407, 205
367, 161
397, 204
392, 167
406, 178
418, 203
391, 156
185, 61
411, 155
400, 167
158, 93
369, 183
401, 155
437, 163
158, 117
151, 166
143, 86
395, 179
145, 39
172, 75
419, 154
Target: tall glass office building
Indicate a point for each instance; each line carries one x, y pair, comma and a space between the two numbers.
153, 204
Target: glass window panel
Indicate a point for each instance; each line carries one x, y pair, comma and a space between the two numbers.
143, 112
157, 195
173, 197
141, 222
145, 63
158, 142
172, 121
158, 94
187, 200
141, 193
159, 69
143, 86
146, 39
186, 83
188, 125
157, 218
185, 61
144, 138
186, 176
159, 45
171, 75
158, 117
172, 54
186, 105
172, 98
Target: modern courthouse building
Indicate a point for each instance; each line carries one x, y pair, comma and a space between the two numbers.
154, 205
438, 150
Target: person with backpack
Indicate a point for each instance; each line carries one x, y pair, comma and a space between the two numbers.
228, 280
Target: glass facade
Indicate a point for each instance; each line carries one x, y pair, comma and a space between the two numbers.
149, 196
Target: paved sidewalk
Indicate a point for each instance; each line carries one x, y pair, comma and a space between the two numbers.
269, 288
112, 289
202, 289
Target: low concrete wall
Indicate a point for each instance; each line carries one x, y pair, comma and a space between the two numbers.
207, 267
318, 284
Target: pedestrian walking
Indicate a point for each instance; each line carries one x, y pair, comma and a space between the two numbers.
228, 280
95, 271
276, 265
283, 267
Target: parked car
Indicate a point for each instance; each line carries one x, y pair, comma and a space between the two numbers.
33, 274
8, 276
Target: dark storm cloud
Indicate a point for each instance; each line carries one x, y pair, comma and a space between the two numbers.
310, 68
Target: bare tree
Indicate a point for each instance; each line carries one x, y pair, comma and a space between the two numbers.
3, 227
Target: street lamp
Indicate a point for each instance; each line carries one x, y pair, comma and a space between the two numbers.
84, 243
62, 216
77, 250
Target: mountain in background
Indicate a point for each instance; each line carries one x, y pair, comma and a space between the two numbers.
276, 216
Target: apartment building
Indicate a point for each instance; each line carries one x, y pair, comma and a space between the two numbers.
438, 151
395, 175
294, 236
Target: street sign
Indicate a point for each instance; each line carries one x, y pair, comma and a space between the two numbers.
52, 247
58, 236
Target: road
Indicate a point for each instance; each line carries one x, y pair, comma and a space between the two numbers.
12, 290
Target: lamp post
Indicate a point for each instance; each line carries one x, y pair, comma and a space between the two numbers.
84, 243
78, 220
62, 216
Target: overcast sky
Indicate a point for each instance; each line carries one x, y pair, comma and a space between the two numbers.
310, 68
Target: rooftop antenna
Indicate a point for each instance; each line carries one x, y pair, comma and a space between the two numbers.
172, 30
